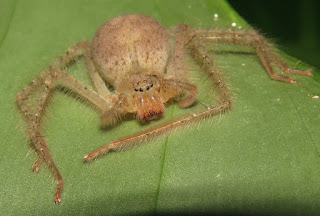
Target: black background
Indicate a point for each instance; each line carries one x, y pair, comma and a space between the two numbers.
294, 24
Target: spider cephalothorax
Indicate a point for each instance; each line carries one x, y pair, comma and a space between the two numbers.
132, 54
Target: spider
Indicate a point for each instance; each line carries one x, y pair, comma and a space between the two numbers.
132, 53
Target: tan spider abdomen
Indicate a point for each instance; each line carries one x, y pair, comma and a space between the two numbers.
130, 44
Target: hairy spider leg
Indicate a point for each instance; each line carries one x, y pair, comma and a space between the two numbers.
177, 66
262, 48
200, 54
97, 80
177, 75
178, 86
45, 84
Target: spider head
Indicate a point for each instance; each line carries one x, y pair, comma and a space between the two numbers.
143, 93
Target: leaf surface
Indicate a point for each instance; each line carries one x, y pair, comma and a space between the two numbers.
261, 157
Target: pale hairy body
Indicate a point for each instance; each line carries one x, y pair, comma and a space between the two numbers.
132, 53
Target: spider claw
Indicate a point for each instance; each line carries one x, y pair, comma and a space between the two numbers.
86, 158
35, 165
57, 195
57, 198
293, 81
35, 169
308, 73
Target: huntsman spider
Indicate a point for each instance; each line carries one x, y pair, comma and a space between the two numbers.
133, 54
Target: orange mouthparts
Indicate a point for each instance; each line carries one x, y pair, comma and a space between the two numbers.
149, 106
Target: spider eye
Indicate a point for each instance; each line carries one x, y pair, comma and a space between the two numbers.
148, 87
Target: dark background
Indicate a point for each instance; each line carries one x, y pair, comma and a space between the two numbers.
294, 24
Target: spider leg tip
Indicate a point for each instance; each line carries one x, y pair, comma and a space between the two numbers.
57, 200
309, 73
57, 196
35, 169
293, 81
86, 158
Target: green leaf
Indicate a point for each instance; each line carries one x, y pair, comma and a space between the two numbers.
262, 157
